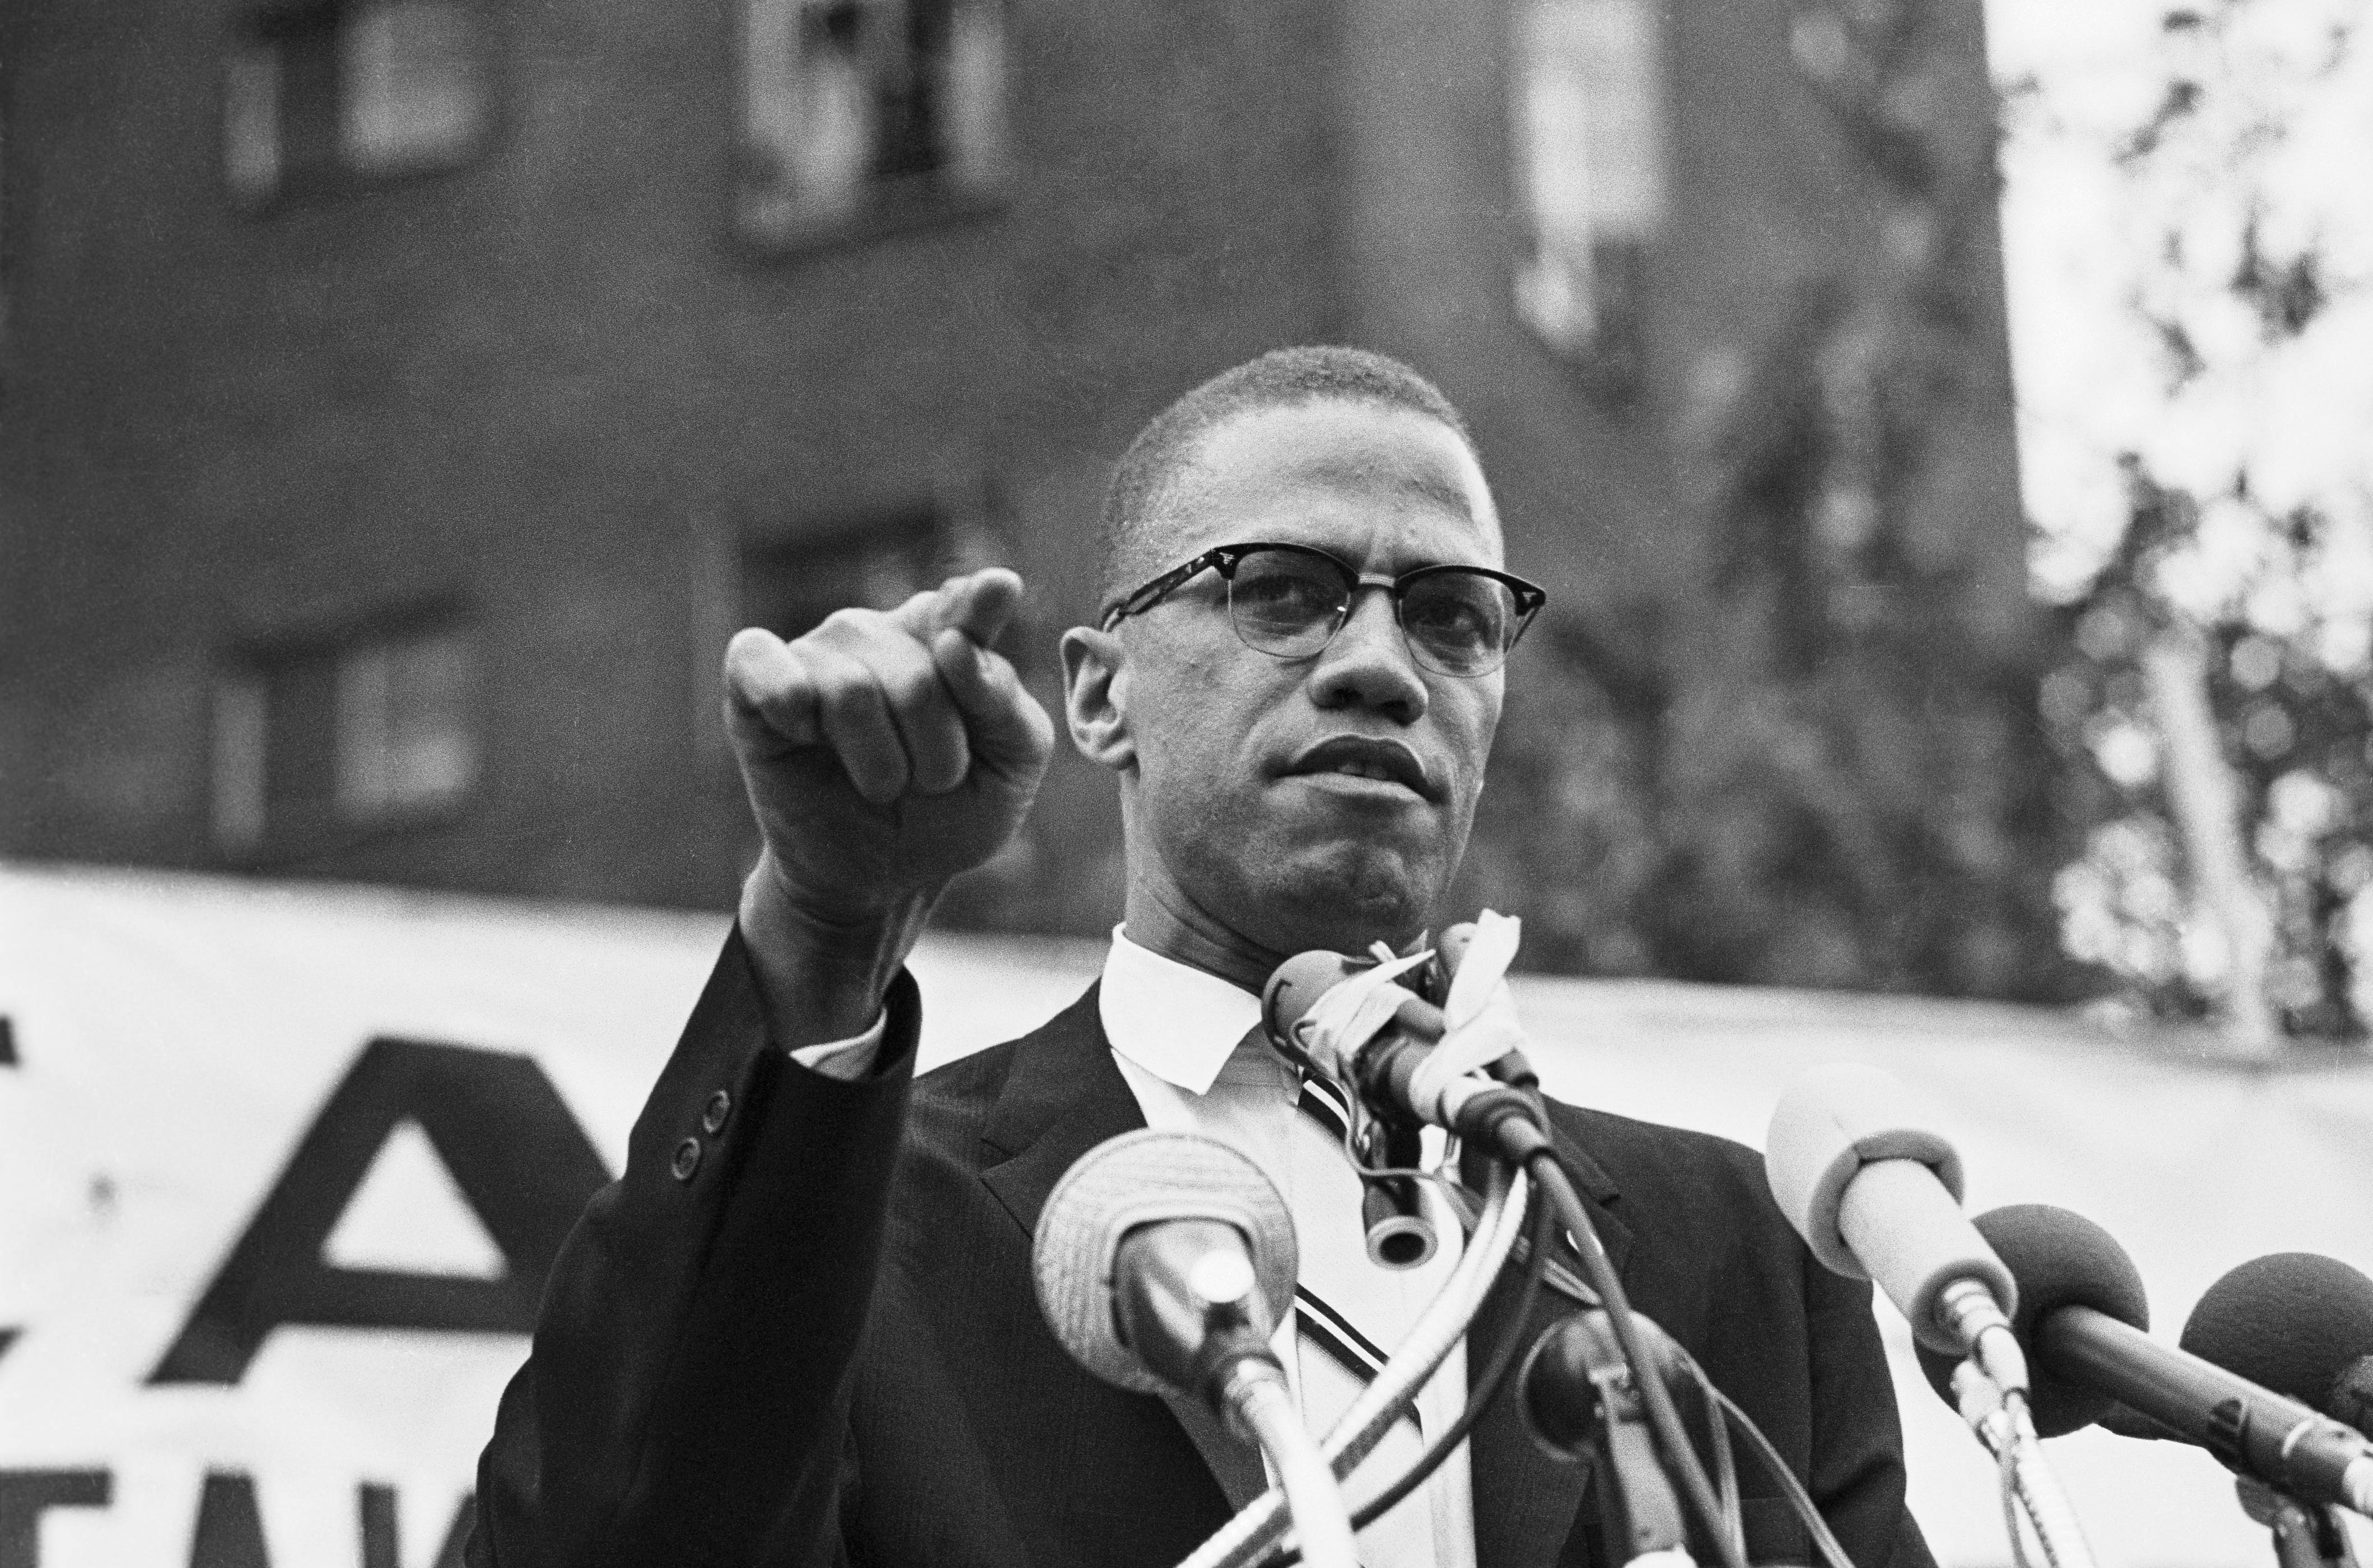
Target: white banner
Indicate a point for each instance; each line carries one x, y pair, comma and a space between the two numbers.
282, 1168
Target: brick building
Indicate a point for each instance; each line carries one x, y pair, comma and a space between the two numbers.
401, 401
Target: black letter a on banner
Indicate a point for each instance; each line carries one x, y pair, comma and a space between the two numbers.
514, 1150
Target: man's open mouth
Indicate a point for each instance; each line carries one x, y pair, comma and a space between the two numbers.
1359, 757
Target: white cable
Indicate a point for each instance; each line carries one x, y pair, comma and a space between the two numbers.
1321, 1523
1245, 1537
1437, 1331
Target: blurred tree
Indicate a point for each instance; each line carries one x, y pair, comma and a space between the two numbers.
1568, 834
2200, 469
1845, 784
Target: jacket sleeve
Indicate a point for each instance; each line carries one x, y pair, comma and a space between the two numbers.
686, 1396
1857, 1476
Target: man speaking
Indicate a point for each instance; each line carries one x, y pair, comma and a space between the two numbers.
802, 1328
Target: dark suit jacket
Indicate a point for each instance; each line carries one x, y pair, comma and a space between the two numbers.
802, 1330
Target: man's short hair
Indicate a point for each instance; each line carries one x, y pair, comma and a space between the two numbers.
1148, 469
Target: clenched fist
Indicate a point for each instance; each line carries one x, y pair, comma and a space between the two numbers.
884, 752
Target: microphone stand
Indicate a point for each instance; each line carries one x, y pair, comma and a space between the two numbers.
2304, 1536
2003, 1425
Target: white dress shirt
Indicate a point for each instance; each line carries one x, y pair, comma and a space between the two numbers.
1185, 1043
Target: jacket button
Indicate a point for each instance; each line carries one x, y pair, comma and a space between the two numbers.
712, 1120
687, 1159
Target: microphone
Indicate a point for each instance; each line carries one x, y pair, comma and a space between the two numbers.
1384, 1070
1164, 1260
2060, 1259
1581, 1402
1564, 1388
2298, 1323
1877, 1195
2105, 1354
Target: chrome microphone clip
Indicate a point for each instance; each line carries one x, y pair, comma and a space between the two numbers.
1969, 1311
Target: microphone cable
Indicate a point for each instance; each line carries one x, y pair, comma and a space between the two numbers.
1548, 1173
1723, 1416
1514, 1129
1550, 1179
1478, 1399
1250, 1535
2006, 1479
2005, 1425
1800, 1503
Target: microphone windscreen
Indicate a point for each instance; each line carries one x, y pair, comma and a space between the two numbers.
1831, 1123
2291, 1321
1141, 1179
2059, 1259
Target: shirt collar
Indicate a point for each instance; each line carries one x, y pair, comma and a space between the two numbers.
1176, 1022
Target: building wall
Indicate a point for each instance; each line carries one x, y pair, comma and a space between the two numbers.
552, 386
1765, 198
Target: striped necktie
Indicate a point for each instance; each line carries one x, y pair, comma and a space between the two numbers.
1336, 1335
1351, 1313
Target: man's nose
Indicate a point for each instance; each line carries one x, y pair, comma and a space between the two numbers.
1368, 664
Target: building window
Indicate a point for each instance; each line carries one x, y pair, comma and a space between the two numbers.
1588, 112
316, 740
862, 112
326, 95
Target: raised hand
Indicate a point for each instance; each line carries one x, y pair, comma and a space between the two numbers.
884, 752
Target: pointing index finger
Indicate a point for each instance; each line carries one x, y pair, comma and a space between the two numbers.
977, 605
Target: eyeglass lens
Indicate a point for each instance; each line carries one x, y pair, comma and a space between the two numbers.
1289, 604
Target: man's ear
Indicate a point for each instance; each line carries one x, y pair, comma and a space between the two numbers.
1095, 696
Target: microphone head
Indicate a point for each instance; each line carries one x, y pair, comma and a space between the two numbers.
1141, 1179
1296, 986
2059, 1259
2293, 1322
1831, 1123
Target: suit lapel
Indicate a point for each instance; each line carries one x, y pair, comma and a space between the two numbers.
1062, 1098
1524, 1500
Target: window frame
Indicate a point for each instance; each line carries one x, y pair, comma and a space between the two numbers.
904, 204
247, 27
240, 696
1621, 249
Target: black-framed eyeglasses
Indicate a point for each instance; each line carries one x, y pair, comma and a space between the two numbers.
1289, 601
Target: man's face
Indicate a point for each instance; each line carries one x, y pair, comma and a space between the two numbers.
1322, 801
